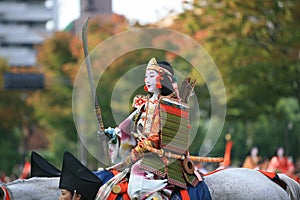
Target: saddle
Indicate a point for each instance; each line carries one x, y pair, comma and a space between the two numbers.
119, 190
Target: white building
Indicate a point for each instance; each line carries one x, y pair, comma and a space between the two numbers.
24, 24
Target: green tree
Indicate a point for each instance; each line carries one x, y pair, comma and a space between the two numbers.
256, 48
16, 118
53, 105
255, 45
60, 58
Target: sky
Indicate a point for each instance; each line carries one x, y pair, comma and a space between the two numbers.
144, 11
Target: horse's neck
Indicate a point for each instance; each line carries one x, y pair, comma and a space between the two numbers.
242, 183
34, 188
293, 188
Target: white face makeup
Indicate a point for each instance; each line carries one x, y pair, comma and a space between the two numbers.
254, 151
150, 81
280, 152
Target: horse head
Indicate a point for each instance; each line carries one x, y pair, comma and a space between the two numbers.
293, 188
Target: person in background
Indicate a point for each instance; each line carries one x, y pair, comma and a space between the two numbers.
281, 163
252, 160
26, 169
4, 178
297, 170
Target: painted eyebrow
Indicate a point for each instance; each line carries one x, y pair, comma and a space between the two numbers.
151, 73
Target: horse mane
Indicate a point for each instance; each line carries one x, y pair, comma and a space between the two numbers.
293, 188
17, 181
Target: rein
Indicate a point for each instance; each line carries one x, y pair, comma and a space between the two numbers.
6, 193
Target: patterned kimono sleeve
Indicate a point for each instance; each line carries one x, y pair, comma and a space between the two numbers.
125, 142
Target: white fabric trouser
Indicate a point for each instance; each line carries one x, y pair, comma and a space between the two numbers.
140, 186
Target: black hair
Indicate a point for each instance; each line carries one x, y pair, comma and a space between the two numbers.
277, 148
249, 151
167, 87
81, 197
275, 152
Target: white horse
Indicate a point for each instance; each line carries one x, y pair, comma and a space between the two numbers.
35, 188
242, 183
293, 188
234, 183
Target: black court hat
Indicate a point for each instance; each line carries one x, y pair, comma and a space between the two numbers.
41, 167
75, 176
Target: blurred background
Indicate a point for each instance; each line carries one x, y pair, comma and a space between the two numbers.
256, 46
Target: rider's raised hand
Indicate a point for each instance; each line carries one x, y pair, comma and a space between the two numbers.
111, 134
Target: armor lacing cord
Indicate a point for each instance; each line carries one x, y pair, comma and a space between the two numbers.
6, 193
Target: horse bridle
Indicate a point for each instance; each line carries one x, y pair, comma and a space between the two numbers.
6, 193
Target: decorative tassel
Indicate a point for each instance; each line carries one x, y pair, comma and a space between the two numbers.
158, 84
145, 88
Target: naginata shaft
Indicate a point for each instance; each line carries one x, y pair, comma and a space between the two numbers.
93, 90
